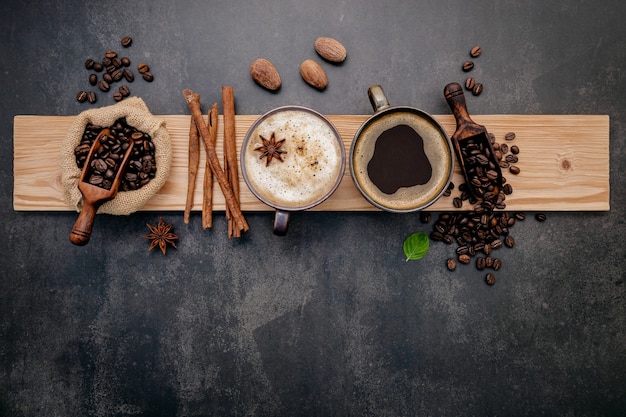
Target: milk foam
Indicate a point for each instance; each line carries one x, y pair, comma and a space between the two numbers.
435, 146
312, 165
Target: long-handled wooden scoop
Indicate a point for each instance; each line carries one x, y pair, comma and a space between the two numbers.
470, 140
93, 195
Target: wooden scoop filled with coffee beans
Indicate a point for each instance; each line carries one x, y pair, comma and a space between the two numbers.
473, 148
94, 189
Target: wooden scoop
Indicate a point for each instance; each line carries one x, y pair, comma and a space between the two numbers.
469, 132
94, 196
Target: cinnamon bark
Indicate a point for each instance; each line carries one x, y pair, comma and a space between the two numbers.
230, 151
193, 101
207, 196
193, 163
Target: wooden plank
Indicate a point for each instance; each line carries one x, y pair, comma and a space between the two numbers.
564, 163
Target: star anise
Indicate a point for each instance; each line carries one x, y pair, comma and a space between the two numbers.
271, 149
161, 235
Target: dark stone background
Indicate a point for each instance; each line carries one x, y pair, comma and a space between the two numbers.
330, 320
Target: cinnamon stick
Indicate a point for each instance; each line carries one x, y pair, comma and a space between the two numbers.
193, 163
193, 101
230, 151
207, 196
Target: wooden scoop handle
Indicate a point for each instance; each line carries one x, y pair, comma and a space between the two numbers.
456, 100
81, 232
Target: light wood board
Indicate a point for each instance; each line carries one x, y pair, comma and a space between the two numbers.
564, 162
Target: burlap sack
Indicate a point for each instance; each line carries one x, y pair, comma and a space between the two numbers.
138, 116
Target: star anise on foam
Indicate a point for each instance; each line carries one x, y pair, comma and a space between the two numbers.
161, 235
271, 149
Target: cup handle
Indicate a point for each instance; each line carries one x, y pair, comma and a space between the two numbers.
281, 222
377, 98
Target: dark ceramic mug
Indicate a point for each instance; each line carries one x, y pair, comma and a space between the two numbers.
292, 159
401, 159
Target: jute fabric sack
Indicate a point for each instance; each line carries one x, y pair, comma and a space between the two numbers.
138, 116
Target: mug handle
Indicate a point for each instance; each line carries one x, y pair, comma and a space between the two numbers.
377, 98
281, 222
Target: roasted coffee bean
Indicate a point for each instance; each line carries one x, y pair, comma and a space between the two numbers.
95, 179
103, 86
470, 82
81, 96
425, 217
128, 75
480, 263
124, 91
478, 89
514, 170
497, 264
143, 68
514, 149
468, 66
520, 216
97, 67
117, 75
116, 62
107, 77
464, 259
451, 264
513, 159
106, 62
488, 262
507, 189
91, 97
540, 217
117, 96
89, 63
148, 76
458, 203
126, 41
93, 79
490, 278
504, 148
509, 136
110, 54
125, 61
496, 244
509, 241
476, 51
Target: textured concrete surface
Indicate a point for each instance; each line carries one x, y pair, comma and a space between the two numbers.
329, 320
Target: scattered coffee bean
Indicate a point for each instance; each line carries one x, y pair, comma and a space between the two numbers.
540, 217
468, 66
125, 62
89, 63
464, 259
126, 41
128, 75
97, 67
451, 264
148, 76
513, 169
93, 79
117, 75
116, 62
515, 149
478, 88
91, 97
497, 264
509, 241
104, 86
124, 91
117, 96
425, 217
504, 148
110, 54
107, 77
81, 96
143, 68
509, 136
457, 202
490, 278
470, 82
475, 51
480, 263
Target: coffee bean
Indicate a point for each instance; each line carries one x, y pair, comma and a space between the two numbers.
458, 203
117, 75
91, 97
504, 148
475, 51
148, 76
507, 189
509, 241
89, 63
520, 216
451, 264
107, 77
124, 91
93, 79
117, 96
490, 278
509, 136
116, 62
540, 217
126, 41
125, 62
425, 217
81, 96
104, 86
128, 75
512, 158
97, 67
480, 263
514, 170
464, 259
478, 88
106, 62
496, 244
470, 82
142, 68
497, 264
514, 149
468, 66
110, 54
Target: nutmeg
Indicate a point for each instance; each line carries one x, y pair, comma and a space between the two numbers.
265, 74
313, 74
330, 49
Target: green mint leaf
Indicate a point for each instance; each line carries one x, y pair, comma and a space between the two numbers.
416, 246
